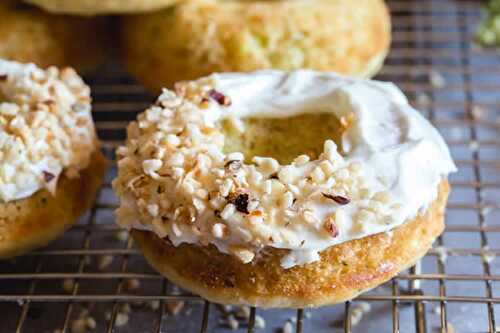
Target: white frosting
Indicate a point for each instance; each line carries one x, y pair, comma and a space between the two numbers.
390, 152
45, 127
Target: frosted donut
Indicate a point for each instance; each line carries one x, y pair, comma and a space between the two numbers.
197, 38
50, 162
99, 7
279, 189
30, 35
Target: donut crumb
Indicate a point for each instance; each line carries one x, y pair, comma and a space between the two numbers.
287, 328
68, 285
174, 307
259, 322
105, 262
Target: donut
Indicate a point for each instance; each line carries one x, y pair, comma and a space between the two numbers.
50, 163
488, 32
99, 7
197, 38
30, 35
282, 189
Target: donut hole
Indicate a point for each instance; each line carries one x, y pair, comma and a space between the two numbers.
282, 138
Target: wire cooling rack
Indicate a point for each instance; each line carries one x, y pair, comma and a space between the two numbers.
94, 272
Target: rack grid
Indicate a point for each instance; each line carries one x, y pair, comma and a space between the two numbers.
455, 288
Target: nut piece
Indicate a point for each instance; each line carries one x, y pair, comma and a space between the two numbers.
341, 200
330, 227
243, 254
219, 97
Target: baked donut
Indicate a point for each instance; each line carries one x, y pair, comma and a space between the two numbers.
50, 163
197, 38
97, 7
282, 189
30, 35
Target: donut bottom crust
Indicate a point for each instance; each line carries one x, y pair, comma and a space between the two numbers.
344, 271
35, 221
97, 7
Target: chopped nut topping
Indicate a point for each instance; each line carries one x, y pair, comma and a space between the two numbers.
219, 97
337, 198
240, 200
233, 166
39, 126
47, 176
274, 176
330, 227
204, 103
243, 254
219, 230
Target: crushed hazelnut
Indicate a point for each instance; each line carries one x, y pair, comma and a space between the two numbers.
243, 254
341, 200
330, 227
219, 97
219, 230
47, 176
240, 201
233, 166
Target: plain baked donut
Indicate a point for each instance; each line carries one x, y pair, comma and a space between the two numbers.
198, 38
99, 7
50, 166
282, 189
29, 35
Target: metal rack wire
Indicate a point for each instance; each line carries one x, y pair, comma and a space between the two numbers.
454, 82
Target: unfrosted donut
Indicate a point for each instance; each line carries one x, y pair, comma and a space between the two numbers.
197, 38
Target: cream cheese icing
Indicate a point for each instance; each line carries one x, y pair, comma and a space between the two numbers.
175, 179
45, 127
